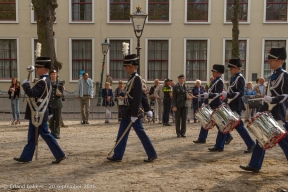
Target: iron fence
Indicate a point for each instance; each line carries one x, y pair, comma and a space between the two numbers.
70, 111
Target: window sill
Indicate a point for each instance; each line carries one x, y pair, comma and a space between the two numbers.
9, 22
197, 23
240, 23
82, 22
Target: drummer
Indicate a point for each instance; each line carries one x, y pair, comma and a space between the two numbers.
236, 104
216, 88
276, 57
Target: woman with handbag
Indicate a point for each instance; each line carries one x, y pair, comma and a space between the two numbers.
197, 101
119, 98
107, 96
14, 92
249, 93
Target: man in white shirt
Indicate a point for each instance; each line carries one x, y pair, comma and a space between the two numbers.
260, 87
84, 93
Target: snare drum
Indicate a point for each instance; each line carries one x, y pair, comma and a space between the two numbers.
203, 115
267, 131
225, 119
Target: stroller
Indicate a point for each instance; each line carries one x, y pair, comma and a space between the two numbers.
152, 107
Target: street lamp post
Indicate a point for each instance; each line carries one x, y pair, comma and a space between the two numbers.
138, 21
105, 47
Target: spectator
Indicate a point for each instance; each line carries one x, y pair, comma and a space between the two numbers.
85, 93
180, 106
145, 90
249, 93
56, 104
208, 84
119, 98
153, 100
167, 90
109, 79
14, 92
260, 88
159, 95
107, 102
144, 87
197, 100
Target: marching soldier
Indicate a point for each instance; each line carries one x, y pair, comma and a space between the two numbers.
37, 95
135, 101
235, 93
279, 91
215, 88
180, 106
56, 104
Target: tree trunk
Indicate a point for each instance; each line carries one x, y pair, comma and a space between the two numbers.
235, 30
44, 11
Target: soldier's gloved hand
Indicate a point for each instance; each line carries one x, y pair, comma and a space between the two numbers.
26, 81
149, 113
206, 95
267, 99
50, 116
224, 93
258, 113
133, 119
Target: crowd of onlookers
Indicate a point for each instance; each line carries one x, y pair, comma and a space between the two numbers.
156, 97
114, 96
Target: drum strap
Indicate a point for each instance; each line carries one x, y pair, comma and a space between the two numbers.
129, 86
279, 80
234, 84
214, 85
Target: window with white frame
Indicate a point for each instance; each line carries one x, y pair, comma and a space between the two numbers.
197, 10
243, 10
276, 10
8, 10
81, 10
158, 59
81, 57
158, 10
119, 10
116, 69
196, 60
268, 45
8, 58
242, 56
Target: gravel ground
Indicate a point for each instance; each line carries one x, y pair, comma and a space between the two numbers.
181, 166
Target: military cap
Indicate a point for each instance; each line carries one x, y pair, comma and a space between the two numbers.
53, 71
43, 62
168, 79
233, 63
131, 59
277, 53
218, 68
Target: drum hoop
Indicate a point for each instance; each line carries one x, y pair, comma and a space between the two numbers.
276, 139
213, 124
231, 122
